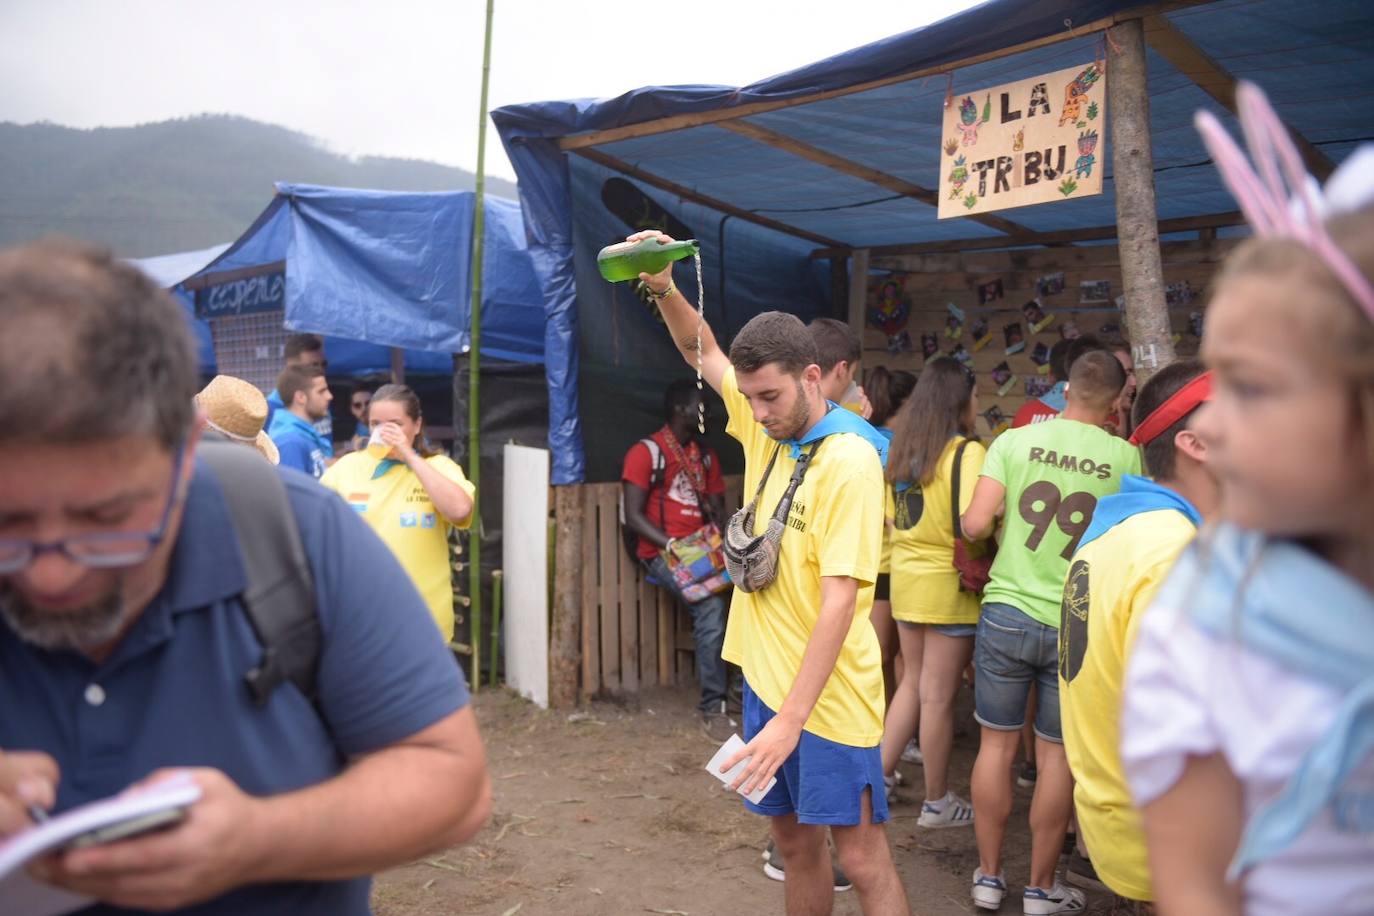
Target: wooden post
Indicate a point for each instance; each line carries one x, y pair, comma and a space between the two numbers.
1142, 273
398, 366
858, 290
565, 652
839, 288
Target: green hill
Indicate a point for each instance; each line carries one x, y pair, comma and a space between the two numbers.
178, 185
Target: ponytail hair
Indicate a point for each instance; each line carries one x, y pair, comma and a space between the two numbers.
886, 390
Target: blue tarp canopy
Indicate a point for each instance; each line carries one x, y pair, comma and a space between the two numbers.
372, 270
707, 157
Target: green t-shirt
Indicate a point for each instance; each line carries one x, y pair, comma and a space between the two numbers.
1054, 472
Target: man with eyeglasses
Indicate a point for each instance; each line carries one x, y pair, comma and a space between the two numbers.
124, 641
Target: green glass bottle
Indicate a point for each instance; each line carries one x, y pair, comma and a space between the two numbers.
627, 260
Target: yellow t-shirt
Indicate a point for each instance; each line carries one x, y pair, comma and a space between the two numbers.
1111, 582
399, 509
834, 529
925, 584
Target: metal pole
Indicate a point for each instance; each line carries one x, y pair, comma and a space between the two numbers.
474, 363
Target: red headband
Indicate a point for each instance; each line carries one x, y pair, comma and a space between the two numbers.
1178, 406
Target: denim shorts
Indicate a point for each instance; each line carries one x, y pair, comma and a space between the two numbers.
822, 782
952, 630
1013, 651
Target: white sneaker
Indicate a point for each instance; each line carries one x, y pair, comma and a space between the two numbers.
988, 890
1058, 899
955, 813
890, 784
912, 753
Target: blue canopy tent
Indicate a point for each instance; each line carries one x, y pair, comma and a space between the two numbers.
372, 270
779, 176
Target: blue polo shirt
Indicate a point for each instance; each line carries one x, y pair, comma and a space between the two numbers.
173, 694
298, 443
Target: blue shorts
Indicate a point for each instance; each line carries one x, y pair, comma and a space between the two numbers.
822, 782
1013, 650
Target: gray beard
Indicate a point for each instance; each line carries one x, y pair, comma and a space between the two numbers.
85, 628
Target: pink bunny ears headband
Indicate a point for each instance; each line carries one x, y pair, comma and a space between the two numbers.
1294, 209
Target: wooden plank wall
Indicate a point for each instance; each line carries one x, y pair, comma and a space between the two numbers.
633, 634
933, 280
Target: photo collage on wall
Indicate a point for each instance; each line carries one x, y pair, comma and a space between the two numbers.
1025, 329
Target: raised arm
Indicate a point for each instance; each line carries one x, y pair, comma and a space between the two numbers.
681, 317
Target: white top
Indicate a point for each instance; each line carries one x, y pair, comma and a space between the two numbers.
1190, 694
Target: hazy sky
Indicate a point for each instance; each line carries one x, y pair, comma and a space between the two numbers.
401, 77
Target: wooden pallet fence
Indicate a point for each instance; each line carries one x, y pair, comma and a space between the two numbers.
633, 634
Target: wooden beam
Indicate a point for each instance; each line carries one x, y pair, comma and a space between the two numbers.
685, 193
858, 292
684, 121
565, 645
1215, 80
1007, 264
229, 276
1133, 167
849, 167
1096, 233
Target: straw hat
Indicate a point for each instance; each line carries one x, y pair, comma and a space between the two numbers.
237, 410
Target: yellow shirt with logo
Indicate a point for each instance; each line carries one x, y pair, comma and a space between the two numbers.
1111, 582
399, 509
834, 529
925, 584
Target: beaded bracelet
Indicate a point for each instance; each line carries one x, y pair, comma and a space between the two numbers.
663, 295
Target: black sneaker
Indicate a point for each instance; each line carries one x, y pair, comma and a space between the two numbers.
1079, 872
717, 724
1026, 778
773, 868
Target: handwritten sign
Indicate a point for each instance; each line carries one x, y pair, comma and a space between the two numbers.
1030, 142
243, 297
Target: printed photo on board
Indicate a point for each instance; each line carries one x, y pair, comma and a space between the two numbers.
1016, 340
1050, 284
1094, 291
990, 291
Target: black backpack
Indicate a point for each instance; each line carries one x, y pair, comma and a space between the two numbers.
280, 596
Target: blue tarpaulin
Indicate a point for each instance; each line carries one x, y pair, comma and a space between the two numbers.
376, 269
1316, 62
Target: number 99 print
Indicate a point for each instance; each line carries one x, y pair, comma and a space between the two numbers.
1043, 504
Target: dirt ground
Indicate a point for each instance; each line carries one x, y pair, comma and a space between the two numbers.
608, 811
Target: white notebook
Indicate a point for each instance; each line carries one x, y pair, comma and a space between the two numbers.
728, 750
24, 896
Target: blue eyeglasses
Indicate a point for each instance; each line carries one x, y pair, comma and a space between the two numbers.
98, 550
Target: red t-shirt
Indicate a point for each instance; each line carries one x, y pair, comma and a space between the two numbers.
675, 497
1033, 411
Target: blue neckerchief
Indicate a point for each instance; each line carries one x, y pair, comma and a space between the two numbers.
839, 420
884, 432
383, 466
1281, 601
1055, 398
1137, 495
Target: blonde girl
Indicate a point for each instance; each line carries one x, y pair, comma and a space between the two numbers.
1249, 709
